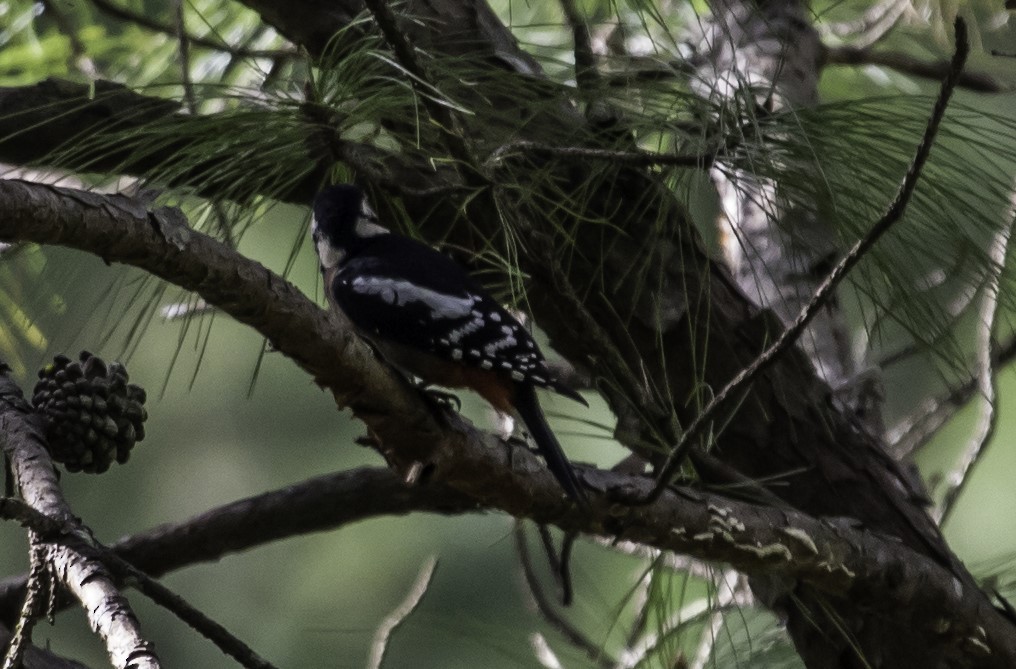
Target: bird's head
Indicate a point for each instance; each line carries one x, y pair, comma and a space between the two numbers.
342, 221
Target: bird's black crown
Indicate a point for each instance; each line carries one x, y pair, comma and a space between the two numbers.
336, 211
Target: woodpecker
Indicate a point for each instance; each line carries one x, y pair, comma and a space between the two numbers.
430, 319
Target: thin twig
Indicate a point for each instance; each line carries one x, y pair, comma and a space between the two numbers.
39, 587
689, 614
12, 508
572, 634
987, 382
643, 601
903, 63
629, 158
379, 646
559, 564
78, 58
914, 431
124, 14
586, 74
789, 336
65, 533
406, 55
223, 639
77, 568
872, 26
727, 584
185, 65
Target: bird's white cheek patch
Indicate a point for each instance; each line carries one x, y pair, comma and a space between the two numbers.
328, 254
367, 228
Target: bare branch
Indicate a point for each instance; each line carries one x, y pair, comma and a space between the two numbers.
727, 585
108, 611
914, 431
788, 337
208, 628
39, 586
395, 619
987, 383
66, 536
183, 39
586, 74
124, 14
316, 505
980, 82
632, 158
839, 561
548, 612
872, 26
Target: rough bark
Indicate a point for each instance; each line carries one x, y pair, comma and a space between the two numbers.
786, 430
672, 321
779, 250
73, 564
743, 534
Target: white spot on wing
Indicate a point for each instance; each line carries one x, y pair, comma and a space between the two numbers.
469, 328
493, 347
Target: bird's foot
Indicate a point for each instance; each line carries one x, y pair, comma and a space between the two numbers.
441, 398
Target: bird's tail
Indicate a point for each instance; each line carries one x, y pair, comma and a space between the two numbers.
532, 415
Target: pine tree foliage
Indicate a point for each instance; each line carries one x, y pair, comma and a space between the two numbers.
243, 126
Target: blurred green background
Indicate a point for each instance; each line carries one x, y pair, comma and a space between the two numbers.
227, 422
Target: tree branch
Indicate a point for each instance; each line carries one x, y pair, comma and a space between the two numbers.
872, 26
987, 382
124, 14
785, 543
316, 505
980, 82
394, 620
790, 334
108, 611
914, 431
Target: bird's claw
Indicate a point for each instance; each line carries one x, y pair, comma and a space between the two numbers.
443, 399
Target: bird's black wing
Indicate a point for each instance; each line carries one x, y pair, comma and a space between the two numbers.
410, 294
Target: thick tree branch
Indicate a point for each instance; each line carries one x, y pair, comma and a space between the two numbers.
678, 323
837, 561
316, 505
793, 331
837, 558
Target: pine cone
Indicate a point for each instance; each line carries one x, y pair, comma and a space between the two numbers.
93, 416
